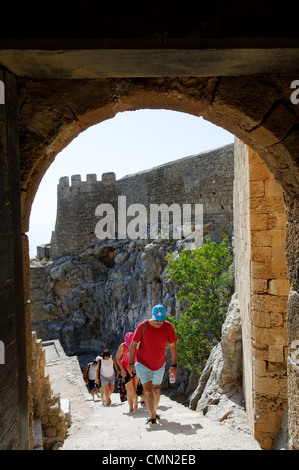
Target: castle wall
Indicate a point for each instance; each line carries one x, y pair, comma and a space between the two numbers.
75, 218
205, 179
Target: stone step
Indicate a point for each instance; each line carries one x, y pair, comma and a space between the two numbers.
179, 428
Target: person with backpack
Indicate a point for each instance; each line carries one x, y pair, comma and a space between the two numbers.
90, 376
153, 336
107, 371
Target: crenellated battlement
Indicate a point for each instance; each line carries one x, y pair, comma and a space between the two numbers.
108, 178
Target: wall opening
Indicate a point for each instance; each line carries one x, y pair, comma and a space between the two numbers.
186, 134
257, 127
269, 284
129, 143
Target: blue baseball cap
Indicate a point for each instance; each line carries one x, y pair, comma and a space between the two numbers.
159, 313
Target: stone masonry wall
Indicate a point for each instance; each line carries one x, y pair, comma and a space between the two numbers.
205, 179
269, 296
75, 218
14, 318
38, 280
262, 288
46, 405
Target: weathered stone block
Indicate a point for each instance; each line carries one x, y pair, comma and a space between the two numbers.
276, 353
269, 336
261, 238
272, 188
259, 286
258, 170
262, 254
260, 368
257, 188
264, 439
279, 287
265, 205
266, 386
258, 270
283, 392
259, 222
260, 319
269, 303
276, 125
276, 319
275, 269
278, 238
268, 238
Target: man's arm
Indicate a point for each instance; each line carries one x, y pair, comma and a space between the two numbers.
173, 353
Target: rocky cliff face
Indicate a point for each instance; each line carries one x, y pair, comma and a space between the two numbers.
94, 298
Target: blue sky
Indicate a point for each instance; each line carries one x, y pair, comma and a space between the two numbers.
130, 142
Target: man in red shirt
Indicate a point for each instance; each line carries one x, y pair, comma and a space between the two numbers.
153, 335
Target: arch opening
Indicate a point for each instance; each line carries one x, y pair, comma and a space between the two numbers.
264, 121
129, 143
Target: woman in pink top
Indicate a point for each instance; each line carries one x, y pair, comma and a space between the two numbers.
131, 381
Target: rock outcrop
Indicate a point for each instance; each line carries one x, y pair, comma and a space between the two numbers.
221, 381
94, 298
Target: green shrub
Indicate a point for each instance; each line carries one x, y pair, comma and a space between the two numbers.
204, 281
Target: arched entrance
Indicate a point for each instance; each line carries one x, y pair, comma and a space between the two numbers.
255, 108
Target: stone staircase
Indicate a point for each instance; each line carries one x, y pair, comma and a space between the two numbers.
95, 426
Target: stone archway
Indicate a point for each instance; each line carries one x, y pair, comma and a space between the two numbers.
257, 109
